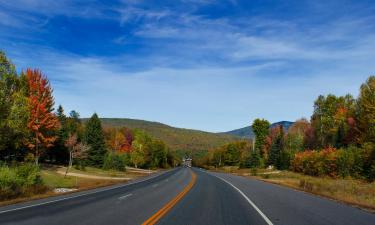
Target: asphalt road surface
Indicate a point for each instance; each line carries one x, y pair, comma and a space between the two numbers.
186, 196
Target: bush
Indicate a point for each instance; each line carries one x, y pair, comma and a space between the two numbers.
331, 162
316, 163
115, 161
350, 162
22, 180
369, 161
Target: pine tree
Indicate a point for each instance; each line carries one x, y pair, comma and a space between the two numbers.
276, 149
94, 138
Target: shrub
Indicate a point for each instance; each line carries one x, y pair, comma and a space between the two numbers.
254, 171
22, 180
369, 161
316, 163
350, 162
331, 162
115, 161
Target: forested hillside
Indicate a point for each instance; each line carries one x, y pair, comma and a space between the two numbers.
175, 138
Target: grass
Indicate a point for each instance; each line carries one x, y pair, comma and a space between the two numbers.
55, 180
105, 173
351, 191
52, 179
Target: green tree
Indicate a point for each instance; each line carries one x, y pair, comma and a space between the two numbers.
366, 111
95, 140
330, 119
18, 118
8, 86
137, 154
233, 153
276, 148
159, 153
260, 129
295, 137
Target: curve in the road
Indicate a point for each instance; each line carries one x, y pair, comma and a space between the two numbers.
159, 214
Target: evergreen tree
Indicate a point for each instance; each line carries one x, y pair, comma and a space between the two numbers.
60, 153
94, 138
276, 149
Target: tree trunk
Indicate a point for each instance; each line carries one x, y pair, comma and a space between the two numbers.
36, 150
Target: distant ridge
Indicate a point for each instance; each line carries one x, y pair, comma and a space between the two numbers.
175, 138
247, 132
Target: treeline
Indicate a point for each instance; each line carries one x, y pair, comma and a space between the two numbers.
31, 130
338, 140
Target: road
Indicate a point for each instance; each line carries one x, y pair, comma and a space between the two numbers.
187, 196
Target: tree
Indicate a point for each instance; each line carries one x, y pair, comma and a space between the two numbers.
159, 153
115, 139
295, 138
232, 154
330, 118
80, 152
70, 143
95, 140
276, 148
42, 121
260, 129
137, 154
18, 118
8, 86
217, 156
366, 111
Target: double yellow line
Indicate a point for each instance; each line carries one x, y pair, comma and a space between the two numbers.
159, 214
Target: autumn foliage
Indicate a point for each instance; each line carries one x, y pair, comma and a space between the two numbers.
42, 121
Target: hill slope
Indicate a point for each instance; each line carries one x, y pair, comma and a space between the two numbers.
247, 132
175, 138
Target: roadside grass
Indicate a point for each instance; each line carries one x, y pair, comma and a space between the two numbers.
104, 173
355, 192
52, 179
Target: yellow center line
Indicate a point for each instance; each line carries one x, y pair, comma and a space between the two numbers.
159, 214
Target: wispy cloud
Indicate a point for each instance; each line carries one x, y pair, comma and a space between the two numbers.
204, 64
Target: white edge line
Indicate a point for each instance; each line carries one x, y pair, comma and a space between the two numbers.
76, 196
125, 196
268, 221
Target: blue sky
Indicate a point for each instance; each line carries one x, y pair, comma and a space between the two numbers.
201, 64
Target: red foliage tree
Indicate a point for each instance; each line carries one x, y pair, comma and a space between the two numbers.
42, 121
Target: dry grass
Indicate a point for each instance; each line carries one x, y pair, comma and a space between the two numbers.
355, 192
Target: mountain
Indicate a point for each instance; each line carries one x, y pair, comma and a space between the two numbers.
247, 132
175, 138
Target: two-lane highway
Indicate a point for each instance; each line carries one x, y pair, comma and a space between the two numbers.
187, 196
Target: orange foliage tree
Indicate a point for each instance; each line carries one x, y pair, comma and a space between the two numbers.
42, 121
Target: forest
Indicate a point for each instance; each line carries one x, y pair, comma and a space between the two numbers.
337, 141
